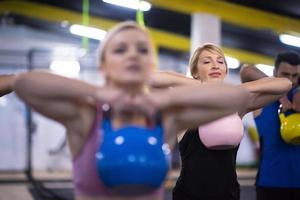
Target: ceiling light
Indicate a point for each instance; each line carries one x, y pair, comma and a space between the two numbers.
267, 69
69, 68
232, 63
86, 31
290, 40
3, 101
133, 4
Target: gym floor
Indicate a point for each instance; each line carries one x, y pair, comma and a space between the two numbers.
14, 186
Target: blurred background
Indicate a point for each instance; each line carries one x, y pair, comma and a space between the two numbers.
63, 35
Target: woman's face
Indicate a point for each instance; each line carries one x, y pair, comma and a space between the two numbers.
128, 58
211, 66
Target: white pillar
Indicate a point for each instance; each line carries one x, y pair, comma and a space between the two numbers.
205, 28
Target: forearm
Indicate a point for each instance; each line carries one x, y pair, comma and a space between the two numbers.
6, 84
196, 106
250, 73
170, 79
217, 96
49, 86
267, 85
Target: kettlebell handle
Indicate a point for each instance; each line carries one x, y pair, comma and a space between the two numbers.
280, 109
281, 114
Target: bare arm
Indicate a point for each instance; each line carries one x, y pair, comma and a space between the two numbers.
54, 96
170, 79
250, 73
263, 90
6, 84
266, 90
192, 106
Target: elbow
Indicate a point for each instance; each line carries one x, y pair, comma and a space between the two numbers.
244, 72
19, 85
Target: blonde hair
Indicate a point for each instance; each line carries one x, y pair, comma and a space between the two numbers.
116, 29
195, 57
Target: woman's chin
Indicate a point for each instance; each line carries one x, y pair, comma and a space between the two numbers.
216, 80
134, 82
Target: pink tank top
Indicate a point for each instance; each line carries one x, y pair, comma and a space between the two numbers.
224, 133
85, 175
86, 181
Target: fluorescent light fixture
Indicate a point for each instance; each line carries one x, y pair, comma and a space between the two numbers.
86, 31
232, 63
68, 53
3, 101
267, 69
133, 4
69, 68
64, 51
290, 40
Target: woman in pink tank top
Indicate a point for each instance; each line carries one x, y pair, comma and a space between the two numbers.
127, 61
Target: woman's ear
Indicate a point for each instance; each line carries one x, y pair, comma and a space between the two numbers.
195, 76
101, 68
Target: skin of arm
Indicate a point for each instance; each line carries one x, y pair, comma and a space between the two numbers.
194, 105
63, 96
250, 73
170, 79
6, 84
263, 89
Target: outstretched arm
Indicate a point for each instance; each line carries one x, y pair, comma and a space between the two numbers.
191, 106
263, 89
6, 84
170, 79
54, 96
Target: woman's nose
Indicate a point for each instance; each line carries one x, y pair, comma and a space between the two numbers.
132, 52
215, 65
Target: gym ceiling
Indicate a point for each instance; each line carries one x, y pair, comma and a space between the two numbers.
250, 28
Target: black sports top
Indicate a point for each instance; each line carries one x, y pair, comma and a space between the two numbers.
205, 174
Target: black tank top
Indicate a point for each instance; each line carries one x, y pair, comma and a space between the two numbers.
205, 174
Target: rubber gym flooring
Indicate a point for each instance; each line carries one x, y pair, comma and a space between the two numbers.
59, 186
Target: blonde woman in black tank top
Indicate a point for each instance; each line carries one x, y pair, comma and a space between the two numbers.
206, 173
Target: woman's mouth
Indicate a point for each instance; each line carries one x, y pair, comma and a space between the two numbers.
215, 74
134, 68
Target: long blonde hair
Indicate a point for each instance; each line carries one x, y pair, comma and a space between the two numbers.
195, 57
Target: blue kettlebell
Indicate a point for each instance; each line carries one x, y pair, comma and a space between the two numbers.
132, 160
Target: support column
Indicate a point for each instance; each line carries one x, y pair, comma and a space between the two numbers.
205, 28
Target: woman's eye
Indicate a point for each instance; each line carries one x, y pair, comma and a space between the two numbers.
206, 62
119, 50
143, 50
